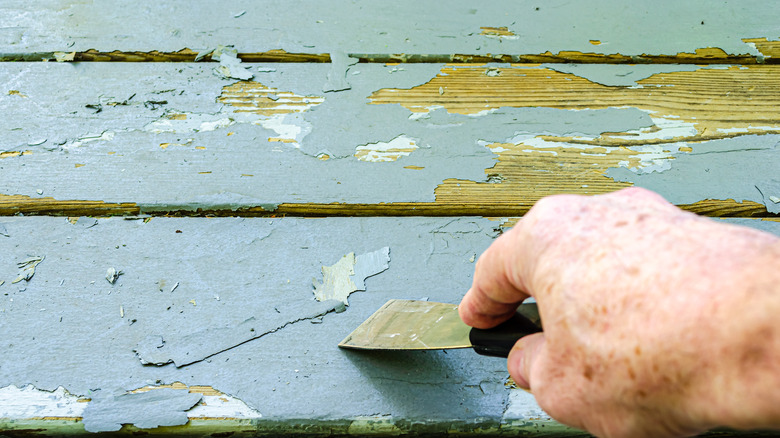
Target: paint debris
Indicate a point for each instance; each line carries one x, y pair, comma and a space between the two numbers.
121, 311
27, 267
174, 287
349, 273
493, 72
112, 274
144, 410
774, 199
240, 14
229, 63
337, 75
398, 147
500, 33
64, 57
4, 231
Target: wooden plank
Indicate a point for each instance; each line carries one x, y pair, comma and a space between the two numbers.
196, 276
453, 140
130, 138
186, 276
603, 31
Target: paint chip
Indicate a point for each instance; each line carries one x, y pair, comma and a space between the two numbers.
16, 93
501, 33
229, 64
379, 152
64, 57
27, 267
112, 274
774, 199
4, 231
349, 273
144, 410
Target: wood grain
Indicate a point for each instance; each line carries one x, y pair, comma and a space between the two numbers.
716, 103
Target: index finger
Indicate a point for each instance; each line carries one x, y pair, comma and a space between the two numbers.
497, 287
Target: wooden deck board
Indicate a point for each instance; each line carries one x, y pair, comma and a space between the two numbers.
445, 140
460, 115
196, 276
601, 31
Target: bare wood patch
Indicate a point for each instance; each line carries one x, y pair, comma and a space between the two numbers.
715, 103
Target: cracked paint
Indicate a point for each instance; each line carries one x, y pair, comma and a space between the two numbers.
184, 349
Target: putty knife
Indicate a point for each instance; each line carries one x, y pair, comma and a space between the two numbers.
423, 325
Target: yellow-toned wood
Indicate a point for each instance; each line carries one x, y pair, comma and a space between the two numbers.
16, 204
525, 175
714, 103
707, 55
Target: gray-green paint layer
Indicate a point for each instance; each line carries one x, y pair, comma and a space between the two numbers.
402, 26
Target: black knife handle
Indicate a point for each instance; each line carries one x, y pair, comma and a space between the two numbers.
499, 340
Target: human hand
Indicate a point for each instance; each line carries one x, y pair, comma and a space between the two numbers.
657, 322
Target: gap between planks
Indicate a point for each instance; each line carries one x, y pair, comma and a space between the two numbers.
22, 205
770, 54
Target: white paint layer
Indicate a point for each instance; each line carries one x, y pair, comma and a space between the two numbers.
380, 152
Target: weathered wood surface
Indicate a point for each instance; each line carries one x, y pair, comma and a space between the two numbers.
599, 31
187, 279
403, 140
351, 111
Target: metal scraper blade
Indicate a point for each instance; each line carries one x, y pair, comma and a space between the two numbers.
411, 325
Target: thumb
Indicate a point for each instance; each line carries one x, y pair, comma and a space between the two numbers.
523, 357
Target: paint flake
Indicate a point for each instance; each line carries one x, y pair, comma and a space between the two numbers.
4, 231
27, 267
112, 274
349, 273
229, 64
64, 57
144, 410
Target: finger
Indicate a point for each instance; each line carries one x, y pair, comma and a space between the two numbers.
495, 291
522, 358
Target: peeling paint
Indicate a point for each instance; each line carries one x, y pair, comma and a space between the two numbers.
396, 148
30, 402
501, 33
623, 75
349, 273
744, 95
337, 76
145, 410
